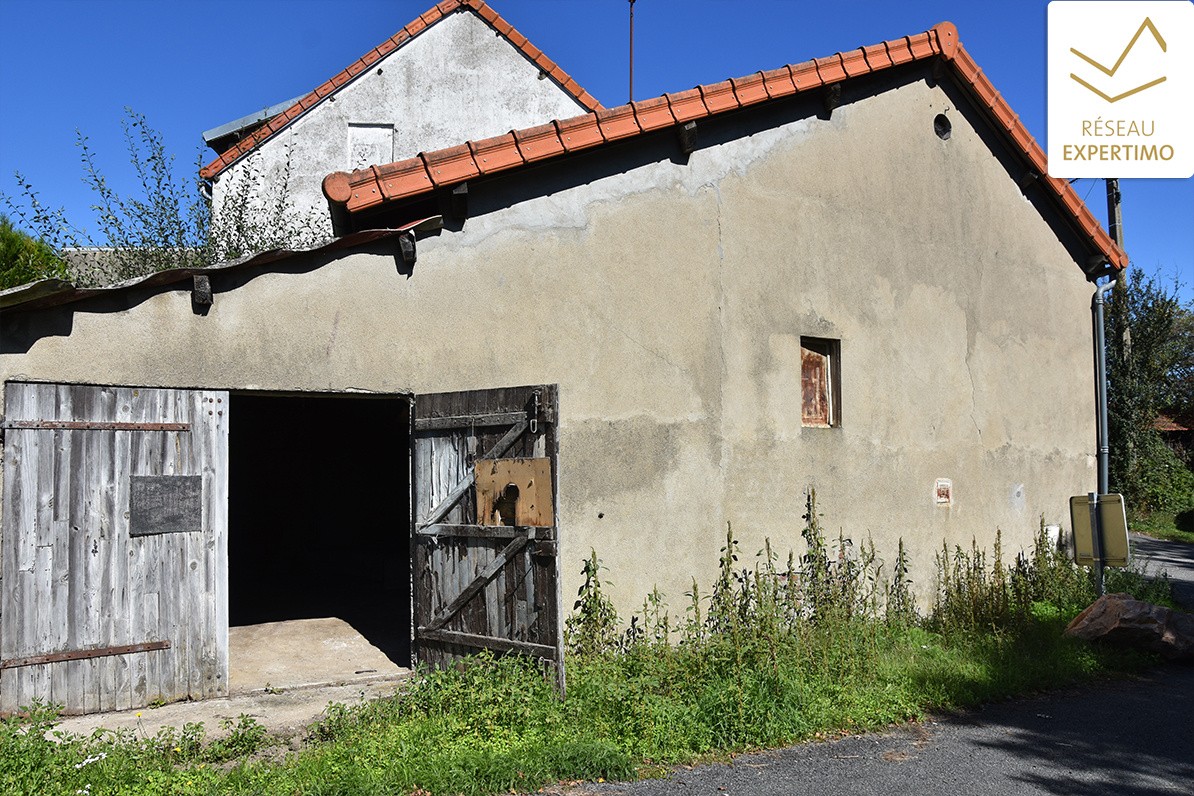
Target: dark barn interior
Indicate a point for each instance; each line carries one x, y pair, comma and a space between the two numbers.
319, 515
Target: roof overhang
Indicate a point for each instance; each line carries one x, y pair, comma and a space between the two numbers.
407, 180
54, 292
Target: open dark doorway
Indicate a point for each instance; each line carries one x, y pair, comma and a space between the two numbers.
319, 521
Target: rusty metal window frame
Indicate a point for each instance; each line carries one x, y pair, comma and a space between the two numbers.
831, 350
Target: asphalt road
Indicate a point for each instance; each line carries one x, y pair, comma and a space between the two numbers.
1176, 559
1127, 738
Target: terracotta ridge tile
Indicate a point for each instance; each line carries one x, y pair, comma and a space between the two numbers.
687, 105
451, 165
487, 13
618, 122
779, 82
496, 154
719, 96
405, 178
876, 57
415, 27
806, 76
899, 51
830, 69
539, 142
854, 62
580, 132
653, 114
749, 90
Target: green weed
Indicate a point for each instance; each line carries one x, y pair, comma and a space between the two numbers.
777, 650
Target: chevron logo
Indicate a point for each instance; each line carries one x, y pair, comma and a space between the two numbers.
1148, 25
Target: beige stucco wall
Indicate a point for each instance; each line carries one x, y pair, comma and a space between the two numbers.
457, 80
668, 302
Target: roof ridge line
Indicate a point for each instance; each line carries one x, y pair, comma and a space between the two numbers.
413, 28
365, 188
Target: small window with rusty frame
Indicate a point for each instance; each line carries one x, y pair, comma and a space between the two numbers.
820, 381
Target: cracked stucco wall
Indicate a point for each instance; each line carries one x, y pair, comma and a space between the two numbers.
667, 299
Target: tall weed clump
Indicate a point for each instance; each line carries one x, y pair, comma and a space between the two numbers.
777, 649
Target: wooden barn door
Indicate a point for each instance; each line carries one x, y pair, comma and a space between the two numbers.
113, 551
485, 563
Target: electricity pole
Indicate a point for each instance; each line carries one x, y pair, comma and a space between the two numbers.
631, 51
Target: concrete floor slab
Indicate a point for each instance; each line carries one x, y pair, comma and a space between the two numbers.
300, 653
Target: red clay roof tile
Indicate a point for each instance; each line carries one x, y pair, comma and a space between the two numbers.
854, 62
687, 105
539, 143
408, 178
449, 166
876, 57
580, 132
496, 154
830, 69
805, 76
618, 122
362, 189
416, 26
750, 89
778, 82
653, 114
719, 97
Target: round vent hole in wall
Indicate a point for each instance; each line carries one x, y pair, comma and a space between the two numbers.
942, 126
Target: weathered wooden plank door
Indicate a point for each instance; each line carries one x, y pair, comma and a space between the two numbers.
113, 548
485, 581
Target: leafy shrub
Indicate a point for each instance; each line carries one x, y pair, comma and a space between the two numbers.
24, 259
168, 222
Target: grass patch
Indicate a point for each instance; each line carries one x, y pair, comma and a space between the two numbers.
774, 653
1173, 527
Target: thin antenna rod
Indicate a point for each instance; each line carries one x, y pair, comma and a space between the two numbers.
631, 50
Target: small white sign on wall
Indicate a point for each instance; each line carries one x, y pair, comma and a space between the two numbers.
1120, 79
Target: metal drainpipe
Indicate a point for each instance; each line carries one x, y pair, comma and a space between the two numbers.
1101, 383
1104, 448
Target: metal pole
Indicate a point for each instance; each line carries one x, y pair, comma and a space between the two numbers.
631, 51
1096, 525
1100, 343
1104, 448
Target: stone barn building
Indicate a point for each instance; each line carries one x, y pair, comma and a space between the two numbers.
615, 331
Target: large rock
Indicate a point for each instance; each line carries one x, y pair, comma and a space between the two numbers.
1121, 619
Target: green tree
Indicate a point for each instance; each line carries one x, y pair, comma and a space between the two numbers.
1146, 363
24, 259
167, 221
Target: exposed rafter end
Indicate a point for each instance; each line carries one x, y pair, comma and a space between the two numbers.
1028, 178
201, 295
458, 202
406, 248
687, 136
832, 97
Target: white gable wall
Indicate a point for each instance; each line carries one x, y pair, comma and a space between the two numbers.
458, 80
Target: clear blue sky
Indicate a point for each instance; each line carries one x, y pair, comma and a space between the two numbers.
190, 66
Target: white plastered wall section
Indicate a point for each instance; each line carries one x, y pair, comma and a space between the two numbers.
667, 302
458, 80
